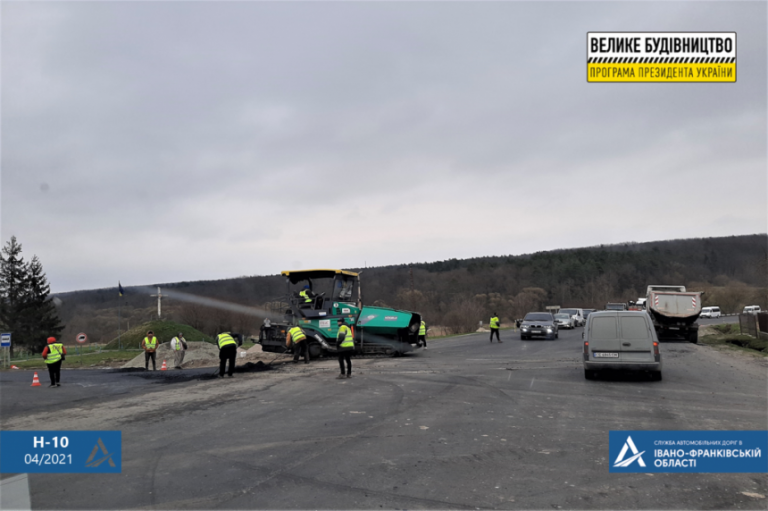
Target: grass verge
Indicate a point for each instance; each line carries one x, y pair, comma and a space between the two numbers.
105, 358
730, 336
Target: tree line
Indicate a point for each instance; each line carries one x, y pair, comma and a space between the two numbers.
459, 293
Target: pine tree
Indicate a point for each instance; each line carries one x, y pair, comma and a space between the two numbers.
41, 317
13, 271
26, 309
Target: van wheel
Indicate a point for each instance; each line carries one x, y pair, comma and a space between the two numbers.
656, 376
590, 375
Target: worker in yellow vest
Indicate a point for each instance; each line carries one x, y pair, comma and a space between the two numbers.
345, 345
298, 339
423, 334
306, 297
227, 351
149, 345
495, 324
54, 355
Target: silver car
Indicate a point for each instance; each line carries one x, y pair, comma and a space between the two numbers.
623, 340
564, 320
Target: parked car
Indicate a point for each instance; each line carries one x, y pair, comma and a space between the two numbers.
576, 314
751, 309
587, 312
539, 324
564, 320
621, 340
615, 306
710, 312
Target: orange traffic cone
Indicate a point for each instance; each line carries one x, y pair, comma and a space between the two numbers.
35, 381
165, 366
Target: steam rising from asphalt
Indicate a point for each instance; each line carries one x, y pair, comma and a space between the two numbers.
201, 300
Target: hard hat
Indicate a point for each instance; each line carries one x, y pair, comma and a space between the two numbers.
51, 340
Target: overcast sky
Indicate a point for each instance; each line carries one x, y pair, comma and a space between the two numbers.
156, 142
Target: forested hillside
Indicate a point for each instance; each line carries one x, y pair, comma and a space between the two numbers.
457, 293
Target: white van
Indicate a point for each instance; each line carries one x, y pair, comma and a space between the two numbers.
621, 340
710, 312
751, 309
576, 314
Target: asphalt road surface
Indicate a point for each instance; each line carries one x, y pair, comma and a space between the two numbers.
465, 424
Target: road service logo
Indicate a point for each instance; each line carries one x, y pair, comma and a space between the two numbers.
629, 445
661, 56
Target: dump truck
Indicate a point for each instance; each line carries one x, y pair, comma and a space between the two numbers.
674, 312
316, 299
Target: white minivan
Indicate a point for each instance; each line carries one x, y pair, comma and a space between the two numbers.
710, 312
576, 314
621, 340
751, 309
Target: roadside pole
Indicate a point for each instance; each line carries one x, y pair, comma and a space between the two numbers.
5, 342
81, 338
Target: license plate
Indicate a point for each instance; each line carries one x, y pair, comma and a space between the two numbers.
606, 355
673, 328
535, 331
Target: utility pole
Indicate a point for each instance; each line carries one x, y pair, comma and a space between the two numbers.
410, 268
159, 296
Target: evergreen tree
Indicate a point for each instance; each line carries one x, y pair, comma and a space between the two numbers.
26, 309
12, 290
40, 315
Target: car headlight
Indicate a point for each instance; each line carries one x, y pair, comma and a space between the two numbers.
549, 329
525, 328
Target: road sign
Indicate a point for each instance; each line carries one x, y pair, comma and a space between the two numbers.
5, 340
81, 338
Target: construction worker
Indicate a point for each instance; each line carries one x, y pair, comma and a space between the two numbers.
227, 351
423, 334
495, 324
149, 344
179, 348
298, 338
345, 345
306, 294
54, 355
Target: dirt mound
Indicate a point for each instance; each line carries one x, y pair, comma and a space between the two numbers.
198, 351
203, 354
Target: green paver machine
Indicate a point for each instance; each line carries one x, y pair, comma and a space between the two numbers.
318, 298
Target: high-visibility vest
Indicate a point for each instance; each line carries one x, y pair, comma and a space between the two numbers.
423, 329
54, 352
297, 335
304, 295
495, 322
225, 340
150, 343
348, 341
179, 346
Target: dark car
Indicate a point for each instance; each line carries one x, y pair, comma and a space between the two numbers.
587, 312
538, 324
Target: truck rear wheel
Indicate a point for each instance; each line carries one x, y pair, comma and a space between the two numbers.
693, 336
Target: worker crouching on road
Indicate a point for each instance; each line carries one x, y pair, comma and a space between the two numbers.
495, 324
298, 338
149, 344
227, 351
345, 345
54, 356
179, 348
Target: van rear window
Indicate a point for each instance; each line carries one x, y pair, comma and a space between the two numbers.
634, 328
604, 328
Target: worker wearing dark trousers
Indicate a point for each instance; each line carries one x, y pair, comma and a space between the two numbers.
54, 356
495, 323
149, 345
423, 334
227, 351
345, 345
298, 339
